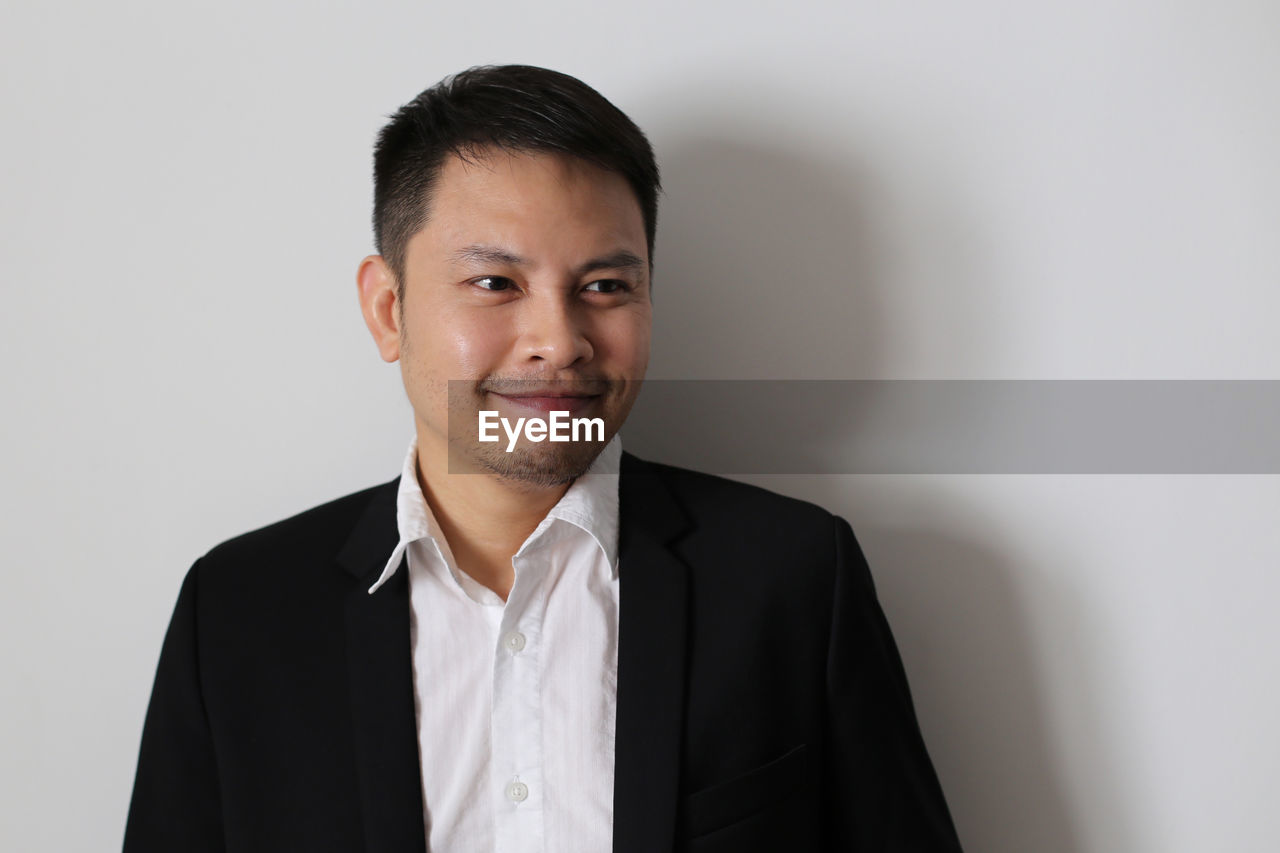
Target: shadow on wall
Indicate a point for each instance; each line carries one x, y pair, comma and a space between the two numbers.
977, 687
763, 268
769, 265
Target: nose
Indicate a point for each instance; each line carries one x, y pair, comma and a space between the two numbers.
554, 332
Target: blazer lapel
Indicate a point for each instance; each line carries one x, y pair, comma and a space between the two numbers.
380, 669
651, 662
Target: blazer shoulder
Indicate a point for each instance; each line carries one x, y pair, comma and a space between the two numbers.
711, 498
319, 531
748, 544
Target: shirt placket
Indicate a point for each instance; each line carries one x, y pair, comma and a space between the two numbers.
516, 723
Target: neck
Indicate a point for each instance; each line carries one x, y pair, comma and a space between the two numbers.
485, 518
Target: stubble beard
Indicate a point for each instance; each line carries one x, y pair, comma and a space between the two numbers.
538, 466
530, 465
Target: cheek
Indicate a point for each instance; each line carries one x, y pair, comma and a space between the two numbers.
460, 345
625, 341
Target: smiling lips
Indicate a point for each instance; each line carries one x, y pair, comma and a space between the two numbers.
546, 401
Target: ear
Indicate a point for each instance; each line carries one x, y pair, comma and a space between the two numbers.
378, 303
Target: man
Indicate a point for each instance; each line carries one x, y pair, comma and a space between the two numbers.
523, 644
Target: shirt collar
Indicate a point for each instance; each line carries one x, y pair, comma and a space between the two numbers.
590, 503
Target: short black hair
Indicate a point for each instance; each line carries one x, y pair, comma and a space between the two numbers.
516, 108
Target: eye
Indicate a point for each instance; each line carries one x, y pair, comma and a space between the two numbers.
493, 283
608, 285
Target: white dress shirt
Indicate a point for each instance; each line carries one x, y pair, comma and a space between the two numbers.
515, 701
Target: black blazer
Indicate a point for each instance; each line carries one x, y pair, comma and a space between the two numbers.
761, 704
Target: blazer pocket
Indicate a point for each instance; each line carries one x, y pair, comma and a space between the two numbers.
728, 802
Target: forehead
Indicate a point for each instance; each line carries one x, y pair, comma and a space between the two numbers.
532, 197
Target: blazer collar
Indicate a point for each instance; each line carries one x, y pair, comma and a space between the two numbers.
380, 672
651, 670
374, 535
652, 637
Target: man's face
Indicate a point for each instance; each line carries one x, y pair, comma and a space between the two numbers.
529, 289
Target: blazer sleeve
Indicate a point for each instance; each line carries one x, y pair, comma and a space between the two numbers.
175, 802
882, 792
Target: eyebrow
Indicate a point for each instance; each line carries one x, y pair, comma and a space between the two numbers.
620, 259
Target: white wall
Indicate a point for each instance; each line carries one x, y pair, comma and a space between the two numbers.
908, 190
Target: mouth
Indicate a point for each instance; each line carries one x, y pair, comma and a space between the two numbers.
544, 402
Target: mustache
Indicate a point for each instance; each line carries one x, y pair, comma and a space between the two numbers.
564, 387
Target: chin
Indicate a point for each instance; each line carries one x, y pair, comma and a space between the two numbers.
539, 466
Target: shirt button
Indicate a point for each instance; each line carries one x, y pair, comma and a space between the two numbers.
517, 792
514, 642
